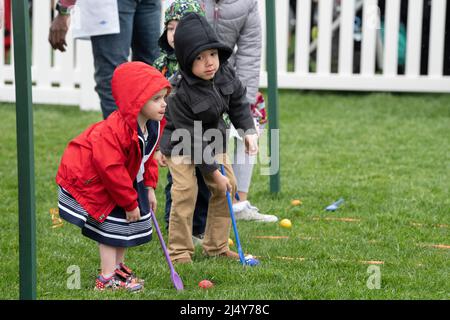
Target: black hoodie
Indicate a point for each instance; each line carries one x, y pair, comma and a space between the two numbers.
195, 99
196, 36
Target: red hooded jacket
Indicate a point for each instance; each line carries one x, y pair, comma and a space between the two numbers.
99, 166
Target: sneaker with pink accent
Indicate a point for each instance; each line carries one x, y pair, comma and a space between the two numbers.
127, 275
114, 283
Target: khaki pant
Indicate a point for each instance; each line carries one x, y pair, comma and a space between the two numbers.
184, 195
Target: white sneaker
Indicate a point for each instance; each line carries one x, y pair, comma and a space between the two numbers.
245, 211
198, 239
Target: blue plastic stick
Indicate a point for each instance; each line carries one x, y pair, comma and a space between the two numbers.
236, 235
334, 206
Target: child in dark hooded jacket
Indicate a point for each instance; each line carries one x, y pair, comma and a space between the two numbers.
107, 174
195, 136
168, 65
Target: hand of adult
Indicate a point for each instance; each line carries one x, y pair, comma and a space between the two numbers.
58, 31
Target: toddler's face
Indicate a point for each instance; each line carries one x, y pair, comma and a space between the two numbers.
155, 108
171, 27
206, 64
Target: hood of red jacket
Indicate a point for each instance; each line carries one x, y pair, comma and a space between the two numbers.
133, 84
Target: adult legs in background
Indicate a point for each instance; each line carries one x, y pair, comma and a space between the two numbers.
146, 31
109, 51
139, 30
243, 168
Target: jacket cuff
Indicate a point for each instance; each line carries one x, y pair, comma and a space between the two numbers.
248, 126
131, 207
150, 185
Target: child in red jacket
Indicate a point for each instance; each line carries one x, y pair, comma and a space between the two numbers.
107, 175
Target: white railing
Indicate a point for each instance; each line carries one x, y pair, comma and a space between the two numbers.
58, 78
67, 78
369, 77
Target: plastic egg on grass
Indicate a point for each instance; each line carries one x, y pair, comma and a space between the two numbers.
230, 242
296, 202
205, 284
286, 223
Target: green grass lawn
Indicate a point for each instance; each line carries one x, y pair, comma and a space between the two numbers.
387, 155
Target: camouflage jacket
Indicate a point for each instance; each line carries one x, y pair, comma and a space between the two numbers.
167, 64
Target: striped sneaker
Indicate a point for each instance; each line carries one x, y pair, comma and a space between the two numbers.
127, 275
114, 283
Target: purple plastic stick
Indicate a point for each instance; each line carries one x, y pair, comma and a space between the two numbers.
176, 279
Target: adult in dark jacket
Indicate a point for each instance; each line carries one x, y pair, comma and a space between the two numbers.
195, 136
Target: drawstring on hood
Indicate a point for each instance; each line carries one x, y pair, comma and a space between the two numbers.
133, 84
194, 35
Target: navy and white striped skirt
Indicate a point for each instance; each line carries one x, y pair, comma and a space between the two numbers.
115, 231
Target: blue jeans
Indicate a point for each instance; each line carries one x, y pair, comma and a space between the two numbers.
140, 31
201, 206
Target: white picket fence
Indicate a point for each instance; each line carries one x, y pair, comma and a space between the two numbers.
67, 78
368, 79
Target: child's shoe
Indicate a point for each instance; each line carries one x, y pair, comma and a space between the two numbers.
127, 274
230, 255
182, 261
245, 211
198, 239
114, 283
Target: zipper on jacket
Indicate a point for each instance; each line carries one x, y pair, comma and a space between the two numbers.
216, 15
217, 94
